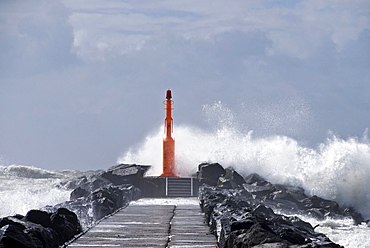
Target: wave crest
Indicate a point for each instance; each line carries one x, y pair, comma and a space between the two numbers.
27, 172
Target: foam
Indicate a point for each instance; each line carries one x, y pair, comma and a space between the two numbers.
24, 188
342, 231
337, 169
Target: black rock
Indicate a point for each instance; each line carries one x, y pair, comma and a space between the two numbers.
27, 235
125, 174
74, 183
92, 198
106, 200
260, 190
39, 217
97, 182
244, 217
226, 183
296, 192
326, 207
210, 173
66, 224
235, 176
255, 235
39, 229
230, 180
79, 192
262, 211
356, 216
96, 195
256, 179
242, 224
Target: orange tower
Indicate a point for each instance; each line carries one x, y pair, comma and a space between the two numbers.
168, 142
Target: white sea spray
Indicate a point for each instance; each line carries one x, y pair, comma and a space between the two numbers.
23, 188
336, 169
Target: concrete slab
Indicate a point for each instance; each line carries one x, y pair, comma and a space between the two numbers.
152, 223
188, 228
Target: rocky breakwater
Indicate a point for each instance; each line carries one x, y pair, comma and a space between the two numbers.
242, 212
92, 198
95, 196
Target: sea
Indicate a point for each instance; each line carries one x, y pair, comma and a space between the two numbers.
337, 169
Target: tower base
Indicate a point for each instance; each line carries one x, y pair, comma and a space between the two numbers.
168, 175
153, 187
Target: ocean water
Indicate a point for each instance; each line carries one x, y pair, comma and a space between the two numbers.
336, 169
23, 188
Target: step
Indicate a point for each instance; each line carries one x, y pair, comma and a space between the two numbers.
179, 187
169, 187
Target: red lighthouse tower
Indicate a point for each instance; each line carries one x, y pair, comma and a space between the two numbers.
168, 142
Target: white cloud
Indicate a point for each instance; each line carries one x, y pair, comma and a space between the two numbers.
296, 30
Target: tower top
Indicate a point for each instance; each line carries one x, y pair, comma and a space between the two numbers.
168, 95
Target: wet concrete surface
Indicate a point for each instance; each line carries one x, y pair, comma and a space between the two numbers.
175, 223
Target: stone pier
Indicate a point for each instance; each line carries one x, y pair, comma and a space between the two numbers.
150, 222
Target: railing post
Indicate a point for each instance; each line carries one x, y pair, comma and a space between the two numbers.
191, 186
166, 186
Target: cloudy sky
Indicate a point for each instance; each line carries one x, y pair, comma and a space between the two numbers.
82, 81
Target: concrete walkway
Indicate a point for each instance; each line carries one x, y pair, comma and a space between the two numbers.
164, 222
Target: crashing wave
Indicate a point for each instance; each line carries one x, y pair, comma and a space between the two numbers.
27, 172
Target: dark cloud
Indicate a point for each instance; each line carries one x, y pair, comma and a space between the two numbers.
79, 89
39, 39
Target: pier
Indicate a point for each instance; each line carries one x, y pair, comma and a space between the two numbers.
152, 222
158, 219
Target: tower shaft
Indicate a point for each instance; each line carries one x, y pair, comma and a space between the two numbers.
168, 142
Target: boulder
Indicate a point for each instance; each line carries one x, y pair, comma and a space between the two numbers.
125, 174
293, 200
106, 201
245, 216
39, 217
96, 182
260, 191
79, 192
121, 174
102, 193
39, 229
296, 192
240, 223
210, 173
255, 235
226, 183
256, 179
93, 197
231, 174
356, 216
326, 207
230, 180
66, 224
27, 235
